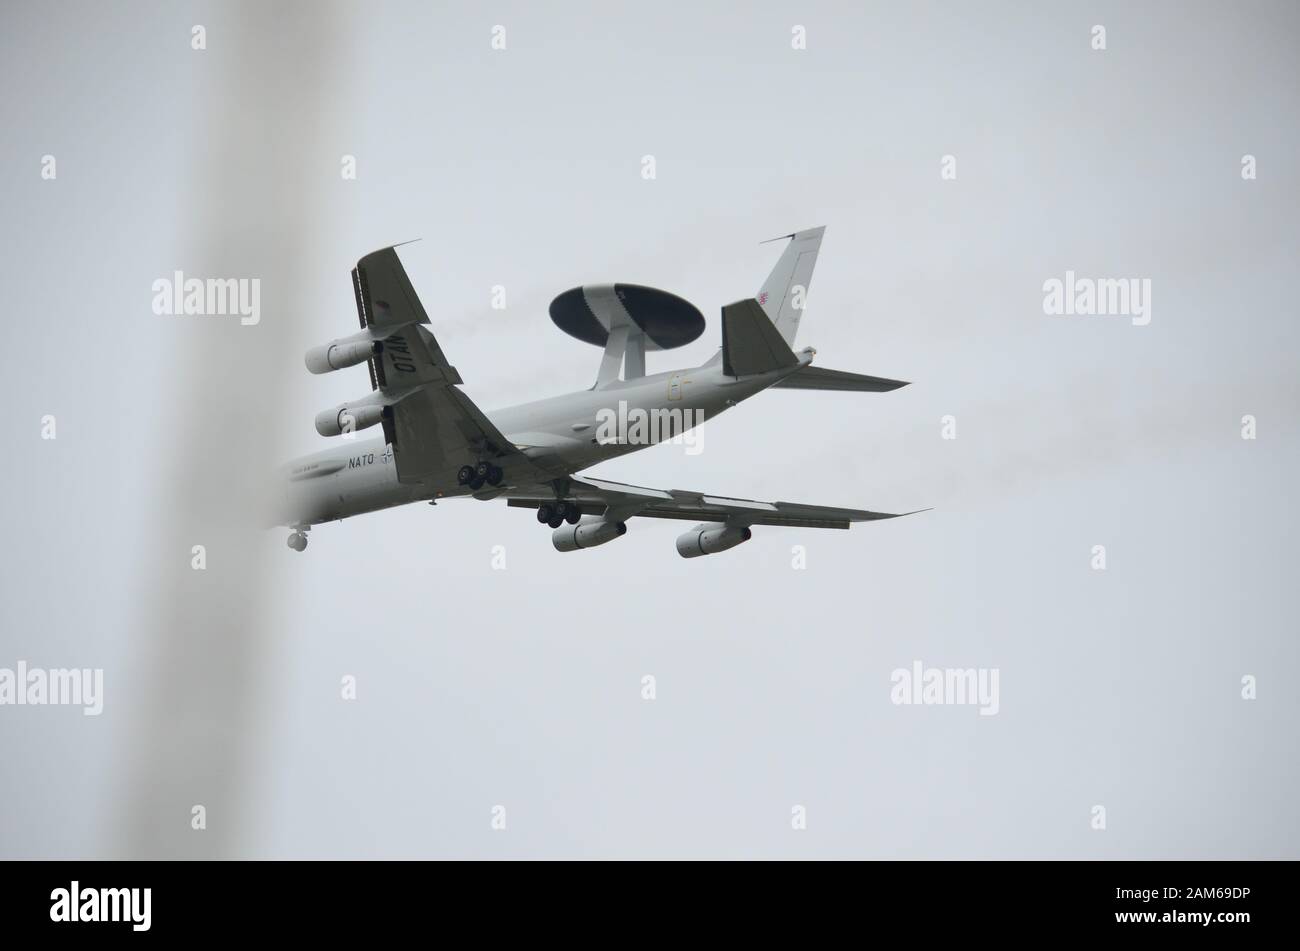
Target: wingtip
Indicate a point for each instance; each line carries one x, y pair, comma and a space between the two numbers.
883, 516
391, 247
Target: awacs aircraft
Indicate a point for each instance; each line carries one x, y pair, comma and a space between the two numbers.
437, 444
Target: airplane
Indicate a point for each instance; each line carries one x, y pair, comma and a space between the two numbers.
437, 444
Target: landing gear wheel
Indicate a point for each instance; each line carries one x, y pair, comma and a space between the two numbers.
483, 469
494, 475
297, 541
545, 513
556, 522
572, 514
476, 483
465, 474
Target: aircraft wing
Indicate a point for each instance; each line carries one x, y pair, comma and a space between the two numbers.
435, 428
619, 501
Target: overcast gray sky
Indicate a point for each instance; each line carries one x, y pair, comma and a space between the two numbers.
522, 687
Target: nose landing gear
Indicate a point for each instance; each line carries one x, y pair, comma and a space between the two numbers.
297, 541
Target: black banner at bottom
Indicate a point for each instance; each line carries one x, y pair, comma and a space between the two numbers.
1178, 900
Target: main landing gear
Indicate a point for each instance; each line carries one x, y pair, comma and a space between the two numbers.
557, 513
485, 473
297, 541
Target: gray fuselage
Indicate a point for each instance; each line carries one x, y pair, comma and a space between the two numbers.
570, 432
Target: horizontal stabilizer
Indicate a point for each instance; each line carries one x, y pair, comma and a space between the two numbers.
750, 342
818, 378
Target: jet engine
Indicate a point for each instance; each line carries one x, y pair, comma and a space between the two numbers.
588, 533
347, 352
345, 418
710, 538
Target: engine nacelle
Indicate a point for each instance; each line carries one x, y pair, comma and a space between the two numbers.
338, 354
345, 418
711, 538
588, 533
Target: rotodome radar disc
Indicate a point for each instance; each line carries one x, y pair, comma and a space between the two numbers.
589, 312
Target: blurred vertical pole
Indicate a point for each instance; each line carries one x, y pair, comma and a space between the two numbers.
268, 73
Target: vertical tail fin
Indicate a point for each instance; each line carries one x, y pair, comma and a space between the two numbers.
783, 293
